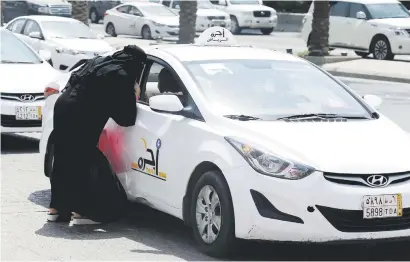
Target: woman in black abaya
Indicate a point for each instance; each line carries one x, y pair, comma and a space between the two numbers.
80, 114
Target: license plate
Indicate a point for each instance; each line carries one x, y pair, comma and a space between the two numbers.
218, 23
382, 206
28, 113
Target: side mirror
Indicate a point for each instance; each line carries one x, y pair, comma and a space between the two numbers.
361, 15
166, 103
36, 35
373, 101
222, 2
46, 55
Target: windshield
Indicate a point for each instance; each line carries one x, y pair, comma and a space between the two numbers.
153, 10
271, 89
68, 29
244, 2
13, 50
394, 10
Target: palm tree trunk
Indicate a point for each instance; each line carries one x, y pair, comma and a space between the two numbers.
80, 11
319, 39
187, 21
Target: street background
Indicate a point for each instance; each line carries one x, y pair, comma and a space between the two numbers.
147, 234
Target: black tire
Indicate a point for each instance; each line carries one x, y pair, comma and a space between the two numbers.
225, 241
49, 159
362, 54
110, 29
235, 29
94, 17
267, 31
146, 32
381, 48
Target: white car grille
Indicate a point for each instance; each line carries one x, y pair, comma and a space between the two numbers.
22, 97
60, 10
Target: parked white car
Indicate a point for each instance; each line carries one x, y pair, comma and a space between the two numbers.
206, 16
149, 20
378, 27
68, 40
292, 155
23, 75
248, 14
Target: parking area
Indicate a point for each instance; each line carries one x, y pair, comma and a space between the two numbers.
146, 234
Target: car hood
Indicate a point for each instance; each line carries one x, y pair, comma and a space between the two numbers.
356, 147
166, 20
86, 45
211, 12
251, 8
23, 78
393, 22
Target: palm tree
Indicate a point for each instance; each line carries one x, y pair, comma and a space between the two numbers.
319, 39
187, 21
80, 11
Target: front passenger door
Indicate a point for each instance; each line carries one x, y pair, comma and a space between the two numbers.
136, 19
361, 40
338, 31
31, 27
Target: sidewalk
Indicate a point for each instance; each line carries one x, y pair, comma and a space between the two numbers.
395, 71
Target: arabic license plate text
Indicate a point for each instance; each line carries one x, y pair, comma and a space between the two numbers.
382, 206
28, 113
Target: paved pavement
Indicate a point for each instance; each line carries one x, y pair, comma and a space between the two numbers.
147, 234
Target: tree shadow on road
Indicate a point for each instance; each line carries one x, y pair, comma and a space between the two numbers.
167, 235
16, 144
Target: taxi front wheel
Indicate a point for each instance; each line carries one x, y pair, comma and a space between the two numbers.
212, 215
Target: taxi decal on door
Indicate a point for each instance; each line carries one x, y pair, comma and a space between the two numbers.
150, 166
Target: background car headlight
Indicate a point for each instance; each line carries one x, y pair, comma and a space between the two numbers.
157, 24
399, 32
43, 9
67, 51
268, 164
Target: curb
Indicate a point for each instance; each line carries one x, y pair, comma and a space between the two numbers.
370, 77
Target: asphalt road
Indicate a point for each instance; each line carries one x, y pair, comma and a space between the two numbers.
146, 234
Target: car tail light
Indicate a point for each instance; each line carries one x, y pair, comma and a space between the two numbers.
50, 91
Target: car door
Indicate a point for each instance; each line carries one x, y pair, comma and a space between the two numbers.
160, 144
363, 29
17, 26
137, 20
338, 29
121, 20
33, 27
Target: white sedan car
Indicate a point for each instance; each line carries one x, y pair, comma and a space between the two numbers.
250, 143
68, 40
145, 19
23, 77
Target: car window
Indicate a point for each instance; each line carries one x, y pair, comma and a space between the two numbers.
176, 4
17, 26
389, 10
166, 3
161, 81
13, 50
275, 89
123, 9
354, 8
338, 9
134, 11
31, 27
156, 10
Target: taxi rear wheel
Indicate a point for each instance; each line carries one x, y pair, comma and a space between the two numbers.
212, 215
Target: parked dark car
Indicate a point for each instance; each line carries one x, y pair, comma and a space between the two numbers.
11, 9
97, 8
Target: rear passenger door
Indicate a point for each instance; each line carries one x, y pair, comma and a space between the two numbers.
339, 33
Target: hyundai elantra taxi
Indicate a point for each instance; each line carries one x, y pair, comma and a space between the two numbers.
249, 143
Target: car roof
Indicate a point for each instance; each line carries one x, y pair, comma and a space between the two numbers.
367, 2
41, 18
141, 3
187, 53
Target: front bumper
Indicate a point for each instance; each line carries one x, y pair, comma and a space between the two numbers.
258, 22
203, 24
400, 45
9, 123
309, 210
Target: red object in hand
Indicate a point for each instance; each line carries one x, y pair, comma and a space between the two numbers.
111, 144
